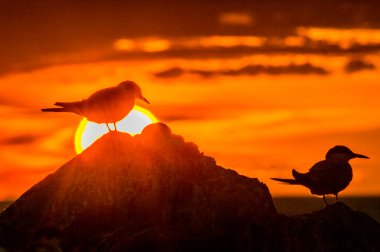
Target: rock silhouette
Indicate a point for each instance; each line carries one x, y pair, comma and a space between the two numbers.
334, 228
156, 192
123, 188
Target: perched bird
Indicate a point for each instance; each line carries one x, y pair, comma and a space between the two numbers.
329, 176
108, 105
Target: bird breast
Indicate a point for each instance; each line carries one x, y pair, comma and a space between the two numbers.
343, 176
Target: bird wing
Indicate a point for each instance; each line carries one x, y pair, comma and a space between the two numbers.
104, 94
325, 173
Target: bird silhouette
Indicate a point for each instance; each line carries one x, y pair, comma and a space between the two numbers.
329, 176
108, 105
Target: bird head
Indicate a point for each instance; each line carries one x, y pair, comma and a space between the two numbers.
342, 153
131, 86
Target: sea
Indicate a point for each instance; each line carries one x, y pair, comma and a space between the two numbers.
301, 205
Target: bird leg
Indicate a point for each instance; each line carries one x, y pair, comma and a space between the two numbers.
108, 127
324, 198
336, 197
114, 124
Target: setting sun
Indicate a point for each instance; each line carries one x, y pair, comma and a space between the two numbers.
88, 132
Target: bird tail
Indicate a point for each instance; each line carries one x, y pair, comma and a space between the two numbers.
287, 181
66, 104
74, 107
296, 181
54, 110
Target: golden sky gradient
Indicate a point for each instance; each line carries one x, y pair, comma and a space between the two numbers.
261, 86
262, 124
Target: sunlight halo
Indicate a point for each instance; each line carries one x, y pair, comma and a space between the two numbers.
88, 132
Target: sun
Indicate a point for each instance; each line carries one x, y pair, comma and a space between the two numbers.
88, 132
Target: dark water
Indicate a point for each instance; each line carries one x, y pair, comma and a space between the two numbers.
299, 205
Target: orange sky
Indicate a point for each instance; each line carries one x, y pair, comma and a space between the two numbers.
254, 87
261, 125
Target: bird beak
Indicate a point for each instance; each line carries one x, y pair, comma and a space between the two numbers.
144, 99
360, 156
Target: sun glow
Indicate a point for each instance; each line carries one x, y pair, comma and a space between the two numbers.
88, 132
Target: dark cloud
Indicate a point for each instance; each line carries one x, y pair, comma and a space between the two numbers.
4, 101
248, 70
19, 140
187, 113
172, 72
199, 52
177, 117
198, 112
359, 65
207, 74
32, 30
27, 66
11, 103
276, 70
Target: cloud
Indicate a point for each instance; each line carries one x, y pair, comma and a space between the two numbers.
306, 68
8, 102
4, 101
236, 18
170, 73
358, 65
16, 180
193, 112
198, 47
19, 140
180, 117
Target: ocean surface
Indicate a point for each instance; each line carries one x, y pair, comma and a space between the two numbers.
300, 205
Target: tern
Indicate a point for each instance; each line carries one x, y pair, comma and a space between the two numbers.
329, 176
108, 105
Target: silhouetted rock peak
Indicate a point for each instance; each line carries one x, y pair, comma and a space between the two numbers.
153, 187
156, 139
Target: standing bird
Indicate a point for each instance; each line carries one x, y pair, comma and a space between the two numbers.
329, 176
108, 105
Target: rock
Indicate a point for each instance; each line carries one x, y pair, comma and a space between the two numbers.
153, 191
334, 228
156, 192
